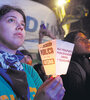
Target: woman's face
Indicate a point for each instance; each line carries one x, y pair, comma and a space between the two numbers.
82, 44
27, 59
12, 30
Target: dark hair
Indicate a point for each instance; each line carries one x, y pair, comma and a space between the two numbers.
37, 67
7, 8
70, 37
25, 52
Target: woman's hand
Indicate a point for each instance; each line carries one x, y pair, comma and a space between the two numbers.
52, 89
44, 32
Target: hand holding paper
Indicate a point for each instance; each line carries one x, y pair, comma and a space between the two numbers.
52, 89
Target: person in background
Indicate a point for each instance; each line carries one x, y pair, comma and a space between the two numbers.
43, 31
40, 69
77, 79
20, 81
27, 57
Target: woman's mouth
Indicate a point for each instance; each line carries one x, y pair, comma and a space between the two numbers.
20, 35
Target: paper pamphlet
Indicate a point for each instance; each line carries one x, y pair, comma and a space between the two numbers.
56, 55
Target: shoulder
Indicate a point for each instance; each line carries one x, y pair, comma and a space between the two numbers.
73, 67
76, 68
76, 72
31, 72
27, 67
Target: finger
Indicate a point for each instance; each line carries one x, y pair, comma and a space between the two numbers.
60, 94
46, 83
53, 81
60, 79
55, 89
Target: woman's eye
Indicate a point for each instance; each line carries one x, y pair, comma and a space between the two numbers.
11, 20
23, 24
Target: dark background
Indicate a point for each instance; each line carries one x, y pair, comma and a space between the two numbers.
85, 23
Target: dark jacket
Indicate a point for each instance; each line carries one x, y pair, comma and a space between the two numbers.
76, 88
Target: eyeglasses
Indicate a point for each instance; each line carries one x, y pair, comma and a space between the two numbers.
80, 39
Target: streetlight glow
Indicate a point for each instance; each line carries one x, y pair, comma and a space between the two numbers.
61, 13
61, 2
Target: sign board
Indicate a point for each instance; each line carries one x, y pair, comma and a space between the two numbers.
56, 55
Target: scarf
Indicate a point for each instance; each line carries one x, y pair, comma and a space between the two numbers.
12, 71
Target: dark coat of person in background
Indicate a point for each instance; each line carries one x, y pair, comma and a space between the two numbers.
77, 79
40, 69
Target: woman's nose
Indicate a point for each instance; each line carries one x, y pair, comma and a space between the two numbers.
19, 27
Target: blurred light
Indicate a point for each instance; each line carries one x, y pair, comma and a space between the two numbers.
86, 13
61, 13
62, 2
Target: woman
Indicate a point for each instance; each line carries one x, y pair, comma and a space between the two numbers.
20, 81
77, 79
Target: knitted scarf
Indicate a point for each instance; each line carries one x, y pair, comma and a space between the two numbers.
12, 71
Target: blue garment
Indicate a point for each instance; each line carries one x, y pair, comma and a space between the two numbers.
11, 61
33, 79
